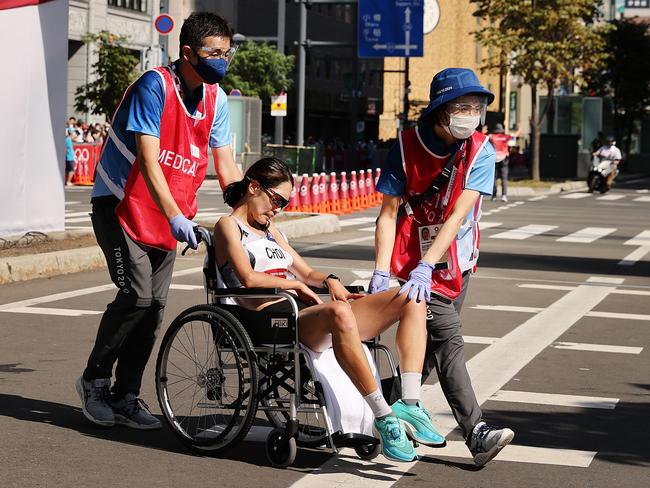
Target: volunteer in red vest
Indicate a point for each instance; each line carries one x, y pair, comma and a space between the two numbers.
143, 203
499, 140
427, 234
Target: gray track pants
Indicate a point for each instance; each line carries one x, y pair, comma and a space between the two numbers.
445, 354
127, 331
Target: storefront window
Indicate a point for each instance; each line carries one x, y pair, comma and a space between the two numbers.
137, 5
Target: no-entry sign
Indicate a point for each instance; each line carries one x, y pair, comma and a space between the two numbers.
164, 24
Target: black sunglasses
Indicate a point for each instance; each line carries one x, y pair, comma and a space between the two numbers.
276, 199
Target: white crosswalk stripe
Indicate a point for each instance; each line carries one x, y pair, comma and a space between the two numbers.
641, 199
576, 196
574, 401
588, 234
488, 225
524, 232
611, 197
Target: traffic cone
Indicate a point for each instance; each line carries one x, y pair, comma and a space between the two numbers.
379, 195
294, 201
333, 195
361, 184
322, 191
370, 188
315, 195
345, 194
354, 192
305, 194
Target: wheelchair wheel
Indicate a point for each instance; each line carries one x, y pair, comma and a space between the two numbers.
206, 379
277, 383
280, 450
368, 451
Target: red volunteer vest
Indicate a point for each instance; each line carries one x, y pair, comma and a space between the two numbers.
418, 225
183, 158
500, 143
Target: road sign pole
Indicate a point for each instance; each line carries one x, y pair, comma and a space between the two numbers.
302, 51
279, 121
407, 85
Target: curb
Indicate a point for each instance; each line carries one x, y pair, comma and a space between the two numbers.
50, 264
529, 191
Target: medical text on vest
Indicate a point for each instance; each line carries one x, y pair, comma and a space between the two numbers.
177, 162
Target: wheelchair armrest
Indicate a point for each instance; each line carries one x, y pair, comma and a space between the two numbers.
326, 292
231, 292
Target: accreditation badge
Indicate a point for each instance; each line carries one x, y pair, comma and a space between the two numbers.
426, 235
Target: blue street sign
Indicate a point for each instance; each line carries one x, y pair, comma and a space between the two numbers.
391, 28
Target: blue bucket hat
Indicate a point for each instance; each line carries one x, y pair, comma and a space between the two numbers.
451, 83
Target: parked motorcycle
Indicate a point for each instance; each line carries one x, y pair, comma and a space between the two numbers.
599, 174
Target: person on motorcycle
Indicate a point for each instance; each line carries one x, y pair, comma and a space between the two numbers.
609, 152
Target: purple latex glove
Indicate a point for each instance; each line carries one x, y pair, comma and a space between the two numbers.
378, 282
183, 230
419, 283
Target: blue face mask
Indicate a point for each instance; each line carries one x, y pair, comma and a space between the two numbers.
211, 70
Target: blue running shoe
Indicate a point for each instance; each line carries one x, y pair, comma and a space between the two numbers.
394, 443
417, 424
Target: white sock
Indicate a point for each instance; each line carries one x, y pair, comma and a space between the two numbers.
411, 386
378, 404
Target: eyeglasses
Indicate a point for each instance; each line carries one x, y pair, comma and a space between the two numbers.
277, 200
217, 53
465, 108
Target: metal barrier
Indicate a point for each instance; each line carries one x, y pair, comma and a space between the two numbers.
301, 159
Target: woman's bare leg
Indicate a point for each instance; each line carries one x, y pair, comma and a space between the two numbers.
337, 318
376, 313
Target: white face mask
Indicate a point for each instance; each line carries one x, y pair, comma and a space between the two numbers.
462, 126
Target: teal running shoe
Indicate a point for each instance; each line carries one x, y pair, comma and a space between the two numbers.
417, 424
395, 444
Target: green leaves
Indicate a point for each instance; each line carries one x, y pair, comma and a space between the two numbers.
258, 69
113, 71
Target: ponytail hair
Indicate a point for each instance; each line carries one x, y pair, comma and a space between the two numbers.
269, 172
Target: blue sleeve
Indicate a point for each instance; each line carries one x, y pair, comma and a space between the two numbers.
392, 180
146, 107
481, 176
220, 133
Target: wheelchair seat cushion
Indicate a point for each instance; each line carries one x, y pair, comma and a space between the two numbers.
275, 324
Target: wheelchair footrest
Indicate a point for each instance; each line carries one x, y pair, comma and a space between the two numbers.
353, 440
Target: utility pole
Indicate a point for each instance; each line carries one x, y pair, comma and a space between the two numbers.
302, 51
407, 89
279, 121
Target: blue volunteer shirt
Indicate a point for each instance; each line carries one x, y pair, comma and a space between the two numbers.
140, 112
392, 181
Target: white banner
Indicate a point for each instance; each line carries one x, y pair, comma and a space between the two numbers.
32, 126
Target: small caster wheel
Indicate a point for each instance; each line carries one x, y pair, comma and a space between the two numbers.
368, 451
280, 450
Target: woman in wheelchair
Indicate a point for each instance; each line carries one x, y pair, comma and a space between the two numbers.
252, 252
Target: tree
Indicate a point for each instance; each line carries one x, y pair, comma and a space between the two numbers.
113, 72
546, 42
259, 70
625, 77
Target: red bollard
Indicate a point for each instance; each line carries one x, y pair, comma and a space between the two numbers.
294, 201
316, 205
322, 192
370, 189
345, 194
333, 195
354, 192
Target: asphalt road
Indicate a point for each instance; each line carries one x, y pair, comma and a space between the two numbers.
556, 326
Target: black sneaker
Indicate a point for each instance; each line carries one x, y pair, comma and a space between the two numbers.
133, 412
486, 441
94, 396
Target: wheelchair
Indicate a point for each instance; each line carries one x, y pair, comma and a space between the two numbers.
220, 364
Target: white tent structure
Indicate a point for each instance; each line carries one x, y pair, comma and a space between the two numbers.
34, 36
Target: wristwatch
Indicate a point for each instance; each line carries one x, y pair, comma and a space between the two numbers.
330, 277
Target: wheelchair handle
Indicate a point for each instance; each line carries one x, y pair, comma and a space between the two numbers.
202, 234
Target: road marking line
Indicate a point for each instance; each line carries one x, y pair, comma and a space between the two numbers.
610, 197
577, 346
72, 203
588, 234
329, 245
367, 229
605, 279
76, 220
488, 225
641, 199
576, 196
537, 199
519, 454
574, 401
635, 256
479, 339
641, 239
568, 288
645, 190
64, 312
80, 292
524, 232
76, 214
607, 315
